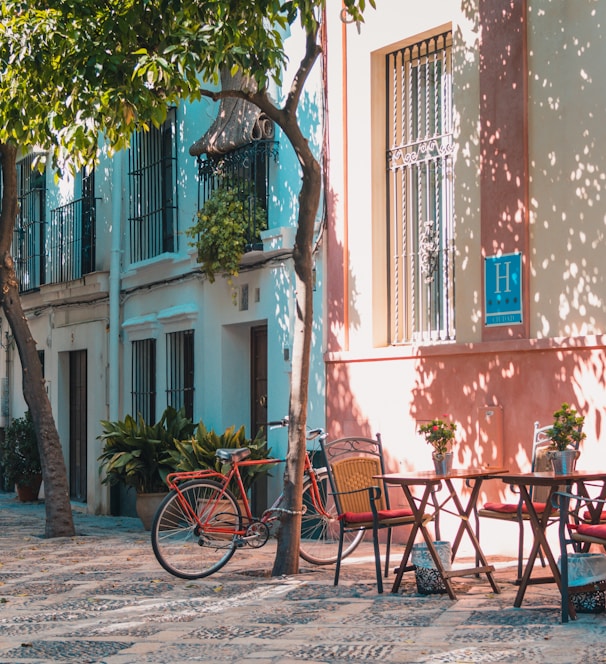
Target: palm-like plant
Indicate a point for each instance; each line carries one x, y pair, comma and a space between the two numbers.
138, 454
199, 452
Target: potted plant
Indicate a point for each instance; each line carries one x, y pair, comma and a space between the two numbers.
565, 434
222, 230
138, 455
440, 435
20, 458
199, 452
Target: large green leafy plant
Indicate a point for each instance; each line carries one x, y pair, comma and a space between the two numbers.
138, 454
200, 450
19, 455
222, 230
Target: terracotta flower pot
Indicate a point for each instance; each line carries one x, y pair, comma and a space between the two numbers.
146, 505
28, 493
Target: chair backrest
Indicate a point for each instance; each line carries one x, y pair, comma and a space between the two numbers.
352, 462
540, 463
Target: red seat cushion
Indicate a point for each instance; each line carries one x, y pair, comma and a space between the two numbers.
363, 517
587, 515
591, 530
511, 508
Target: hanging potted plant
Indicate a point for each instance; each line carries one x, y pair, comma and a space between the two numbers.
20, 458
230, 220
440, 435
566, 434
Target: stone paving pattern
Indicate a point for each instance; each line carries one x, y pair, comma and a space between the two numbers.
102, 597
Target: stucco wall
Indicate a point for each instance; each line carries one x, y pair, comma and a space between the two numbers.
528, 176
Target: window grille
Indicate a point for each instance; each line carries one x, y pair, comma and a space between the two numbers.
153, 191
246, 169
144, 379
71, 235
28, 237
180, 371
420, 191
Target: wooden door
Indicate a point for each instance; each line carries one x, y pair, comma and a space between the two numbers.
258, 410
78, 402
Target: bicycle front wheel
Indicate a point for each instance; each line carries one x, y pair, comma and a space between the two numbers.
320, 525
193, 533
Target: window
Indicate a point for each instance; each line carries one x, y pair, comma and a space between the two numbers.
144, 379
153, 191
420, 191
245, 169
71, 235
28, 238
180, 371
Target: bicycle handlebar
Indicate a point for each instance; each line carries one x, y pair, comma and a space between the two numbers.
311, 433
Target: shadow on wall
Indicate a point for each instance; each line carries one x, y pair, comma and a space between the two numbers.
529, 385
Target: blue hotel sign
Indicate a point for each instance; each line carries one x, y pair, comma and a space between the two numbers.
503, 289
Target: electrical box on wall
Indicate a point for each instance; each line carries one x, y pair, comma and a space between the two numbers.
490, 435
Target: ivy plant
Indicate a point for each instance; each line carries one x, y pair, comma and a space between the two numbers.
221, 231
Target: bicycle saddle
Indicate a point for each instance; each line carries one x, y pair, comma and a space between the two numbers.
232, 454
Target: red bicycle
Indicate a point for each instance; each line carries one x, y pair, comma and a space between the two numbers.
200, 524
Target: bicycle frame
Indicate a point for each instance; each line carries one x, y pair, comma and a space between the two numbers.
173, 480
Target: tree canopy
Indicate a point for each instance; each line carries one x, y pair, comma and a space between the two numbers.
74, 70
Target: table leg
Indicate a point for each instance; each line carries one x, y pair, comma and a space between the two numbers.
418, 508
540, 542
464, 527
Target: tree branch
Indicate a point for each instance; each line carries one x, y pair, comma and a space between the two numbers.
312, 51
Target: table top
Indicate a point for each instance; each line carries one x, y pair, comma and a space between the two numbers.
431, 477
550, 478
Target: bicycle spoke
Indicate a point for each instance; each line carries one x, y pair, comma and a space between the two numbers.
193, 531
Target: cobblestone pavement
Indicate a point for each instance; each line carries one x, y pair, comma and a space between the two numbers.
102, 597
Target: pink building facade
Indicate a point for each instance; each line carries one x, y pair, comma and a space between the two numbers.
467, 227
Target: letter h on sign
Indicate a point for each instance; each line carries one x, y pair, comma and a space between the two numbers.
503, 289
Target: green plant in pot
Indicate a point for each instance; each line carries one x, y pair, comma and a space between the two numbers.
440, 435
565, 434
199, 453
20, 458
138, 455
222, 230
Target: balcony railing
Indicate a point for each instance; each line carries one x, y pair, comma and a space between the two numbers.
246, 168
71, 241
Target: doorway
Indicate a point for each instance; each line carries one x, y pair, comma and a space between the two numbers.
258, 409
78, 402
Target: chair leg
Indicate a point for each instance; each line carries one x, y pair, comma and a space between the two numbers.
339, 552
478, 561
375, 539
520, 550
387, 552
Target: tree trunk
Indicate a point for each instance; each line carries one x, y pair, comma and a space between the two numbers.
287, 554
59, 520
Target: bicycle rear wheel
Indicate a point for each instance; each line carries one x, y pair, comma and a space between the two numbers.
186, 549
320, 525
